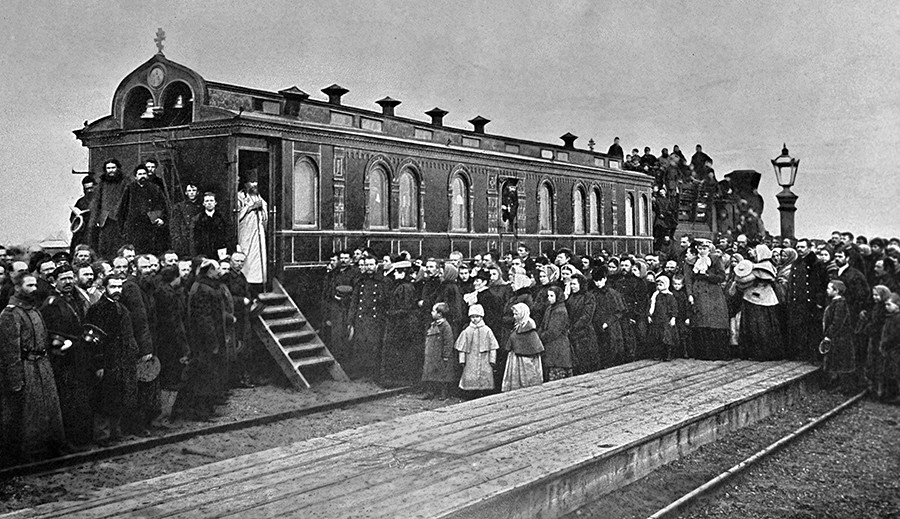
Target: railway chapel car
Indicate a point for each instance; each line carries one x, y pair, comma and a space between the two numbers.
341, 177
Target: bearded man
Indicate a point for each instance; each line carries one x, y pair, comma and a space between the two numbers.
143, 214
115, 362
104, 231
251, 233
64, 312
366, 321
31, 424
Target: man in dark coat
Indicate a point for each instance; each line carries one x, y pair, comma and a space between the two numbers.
64, 312
634, 293
807, 298
182, 220
104, 230
171, 345
81, 213
135, 300
209, 229
115, 361
609, 310
615, 150
337, 295
143, 214
30, 420
240, 294
366, 322
858, 297
700, 162
206, 333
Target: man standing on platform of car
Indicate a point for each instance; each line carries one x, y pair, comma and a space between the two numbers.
182, 219
251, 232
143, 214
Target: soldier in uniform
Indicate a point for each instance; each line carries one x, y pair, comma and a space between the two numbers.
31, 424
64, 312
366, 322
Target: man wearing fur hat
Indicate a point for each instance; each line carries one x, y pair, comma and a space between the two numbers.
251, 232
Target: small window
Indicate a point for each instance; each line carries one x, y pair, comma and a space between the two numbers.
425, 135
545, 208
629, 215
459, 205
547, 154
614, 164
598, 161
305, 193
578, 210
378, 202
340, 119
512, 148
562, 155
409, 201
471, 143
271, 107
371, 124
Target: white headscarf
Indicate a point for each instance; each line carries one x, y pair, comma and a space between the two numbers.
526, 315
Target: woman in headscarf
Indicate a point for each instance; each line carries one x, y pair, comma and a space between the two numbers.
703, 275
450, 294
826, 256
871, 324
580, 306
554, 334
521, 293
523, 364
539, 293
760, 335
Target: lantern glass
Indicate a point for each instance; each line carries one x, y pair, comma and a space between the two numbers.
785, 168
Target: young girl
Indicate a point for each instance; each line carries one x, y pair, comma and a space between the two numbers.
523, 365
840, 361
682, 319
554, 334
662, 315
890, 350
477, 349
439, 369
871, 323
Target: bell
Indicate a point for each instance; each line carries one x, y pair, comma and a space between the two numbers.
179, 102
148, 113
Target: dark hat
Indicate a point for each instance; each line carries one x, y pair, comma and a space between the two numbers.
251, 175
599, 272
60, 256
88, 179
483, 275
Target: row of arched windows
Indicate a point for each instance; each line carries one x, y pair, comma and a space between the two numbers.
587, 203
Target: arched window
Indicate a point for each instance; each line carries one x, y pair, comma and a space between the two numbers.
378, 199
629, 215
578, 209
306, 193
409, 201
459, 205
594, 211
642, 215
545, 208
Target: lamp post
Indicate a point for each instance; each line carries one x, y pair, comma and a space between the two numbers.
786, 173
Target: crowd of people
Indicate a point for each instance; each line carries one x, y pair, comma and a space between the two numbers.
501, 322
142, 322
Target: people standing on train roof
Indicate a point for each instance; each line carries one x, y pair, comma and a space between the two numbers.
104, 231
615, 150
143, 214
182, 219
31, 422
648, 160
700, 161
252, 217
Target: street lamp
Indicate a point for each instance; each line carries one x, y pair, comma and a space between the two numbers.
786, 173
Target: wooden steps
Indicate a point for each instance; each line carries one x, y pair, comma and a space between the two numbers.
291, 341
537, 452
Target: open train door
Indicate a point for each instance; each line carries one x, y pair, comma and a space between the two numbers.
258, 162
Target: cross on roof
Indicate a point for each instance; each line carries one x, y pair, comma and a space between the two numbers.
160, 38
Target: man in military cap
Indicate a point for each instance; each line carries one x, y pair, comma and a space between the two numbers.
366, 320
64, 312
31, 425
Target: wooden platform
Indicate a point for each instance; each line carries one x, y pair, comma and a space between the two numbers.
536, 452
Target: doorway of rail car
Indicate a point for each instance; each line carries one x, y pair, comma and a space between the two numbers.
256, 226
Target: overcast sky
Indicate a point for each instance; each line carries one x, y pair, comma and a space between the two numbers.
738, 77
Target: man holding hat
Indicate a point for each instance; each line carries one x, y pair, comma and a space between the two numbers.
81, 213
251, 232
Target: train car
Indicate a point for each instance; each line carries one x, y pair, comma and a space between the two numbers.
338, 176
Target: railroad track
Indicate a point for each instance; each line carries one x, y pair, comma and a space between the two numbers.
72, 460
679, 505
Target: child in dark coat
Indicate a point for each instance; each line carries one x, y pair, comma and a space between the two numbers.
439, 370
662, 316
682, 347
890, 350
